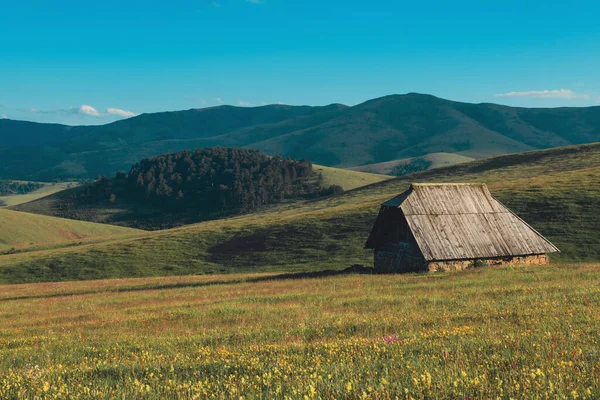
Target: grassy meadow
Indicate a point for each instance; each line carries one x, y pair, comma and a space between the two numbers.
21, 231
255, 306
497, 332
556, 191
348, 179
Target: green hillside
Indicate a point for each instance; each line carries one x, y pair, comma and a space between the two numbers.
348, 179
46, 190
97, 150
437, 160
385, 129
557, 191
23, 133
117, 201
19, 231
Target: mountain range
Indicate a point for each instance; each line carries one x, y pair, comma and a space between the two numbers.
380, 130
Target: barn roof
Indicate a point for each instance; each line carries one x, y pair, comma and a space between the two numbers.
454, 221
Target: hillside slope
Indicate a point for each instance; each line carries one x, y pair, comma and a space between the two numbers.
348, 179
75, 204
23, 133
47, 190
20, 230
389, 128
557, 191
437, 160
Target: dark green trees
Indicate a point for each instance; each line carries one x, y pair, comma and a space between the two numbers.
215, 179
8, 188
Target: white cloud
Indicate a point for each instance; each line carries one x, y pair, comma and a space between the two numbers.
4, 116
120, 113
84, 109
546, 94
87, 110
218, 100
243, 103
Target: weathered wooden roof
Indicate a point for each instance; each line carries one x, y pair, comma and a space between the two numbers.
463, 221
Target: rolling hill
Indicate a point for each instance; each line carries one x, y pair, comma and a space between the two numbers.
19, 231
437, 160
557, 191
46, 190
14, 134
118, 201
385, 129
348, 179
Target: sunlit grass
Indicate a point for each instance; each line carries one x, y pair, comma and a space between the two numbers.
348, 179
24, 232
47, 190
510, 332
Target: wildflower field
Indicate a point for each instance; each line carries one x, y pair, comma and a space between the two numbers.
486, 333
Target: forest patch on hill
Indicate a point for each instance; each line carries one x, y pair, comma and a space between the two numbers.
191, 186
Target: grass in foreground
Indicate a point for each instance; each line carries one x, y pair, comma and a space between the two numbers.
510, 332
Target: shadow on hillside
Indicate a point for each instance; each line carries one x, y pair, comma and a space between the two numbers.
355, 269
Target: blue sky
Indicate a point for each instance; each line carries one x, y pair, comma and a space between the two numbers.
79, 62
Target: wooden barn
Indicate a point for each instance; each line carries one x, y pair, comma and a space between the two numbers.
452, 226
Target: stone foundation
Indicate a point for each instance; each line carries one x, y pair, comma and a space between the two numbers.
388, 262
459, 265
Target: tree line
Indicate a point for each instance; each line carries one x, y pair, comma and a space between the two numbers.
9, 188
409, 167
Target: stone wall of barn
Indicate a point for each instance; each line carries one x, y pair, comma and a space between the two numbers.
387, 261
538, 259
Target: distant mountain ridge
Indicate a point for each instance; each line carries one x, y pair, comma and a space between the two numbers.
384, 129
